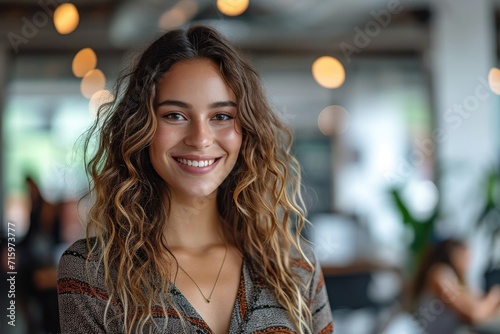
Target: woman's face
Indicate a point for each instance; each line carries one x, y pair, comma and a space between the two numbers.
198, 137
460, 257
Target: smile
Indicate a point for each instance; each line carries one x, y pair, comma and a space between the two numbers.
196, 163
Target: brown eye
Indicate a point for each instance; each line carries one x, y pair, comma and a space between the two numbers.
175, 116
222, 117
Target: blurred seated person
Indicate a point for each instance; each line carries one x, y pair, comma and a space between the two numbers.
443, 302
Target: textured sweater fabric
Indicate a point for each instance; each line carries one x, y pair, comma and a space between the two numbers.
82, 301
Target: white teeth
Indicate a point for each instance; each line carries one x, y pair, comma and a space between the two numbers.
196, 163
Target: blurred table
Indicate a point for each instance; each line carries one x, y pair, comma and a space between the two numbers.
348, 286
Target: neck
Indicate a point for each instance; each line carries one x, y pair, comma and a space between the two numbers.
193, 223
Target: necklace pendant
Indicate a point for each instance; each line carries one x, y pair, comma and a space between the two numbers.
216, 280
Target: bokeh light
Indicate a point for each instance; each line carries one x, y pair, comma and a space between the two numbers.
182, 12
494, 80
328, 72
333, 120
98, 99
66, 18
85, 60
92, 82
232, 7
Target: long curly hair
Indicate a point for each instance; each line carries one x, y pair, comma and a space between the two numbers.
260, 201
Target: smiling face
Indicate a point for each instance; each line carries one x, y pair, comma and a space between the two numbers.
198, 137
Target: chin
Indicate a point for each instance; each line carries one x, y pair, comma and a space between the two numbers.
201, 192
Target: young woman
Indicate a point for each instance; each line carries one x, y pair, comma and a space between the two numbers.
195, 197
444, 303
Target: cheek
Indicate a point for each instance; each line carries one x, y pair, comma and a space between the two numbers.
159, 145
154, 148
232, 138
164, 138
154, 156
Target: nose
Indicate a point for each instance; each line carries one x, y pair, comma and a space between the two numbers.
199, 135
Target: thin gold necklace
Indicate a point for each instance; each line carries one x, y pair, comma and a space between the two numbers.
216, 280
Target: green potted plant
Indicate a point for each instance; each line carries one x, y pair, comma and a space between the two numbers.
421, 228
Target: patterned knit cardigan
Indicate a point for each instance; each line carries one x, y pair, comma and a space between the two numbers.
82, 301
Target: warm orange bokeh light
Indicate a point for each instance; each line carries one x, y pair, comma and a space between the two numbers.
99, 98
232, 7
66, 18
494, 80
92, 82
333, 120
328, 72
85, 60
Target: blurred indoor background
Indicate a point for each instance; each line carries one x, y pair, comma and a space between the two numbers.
394, 106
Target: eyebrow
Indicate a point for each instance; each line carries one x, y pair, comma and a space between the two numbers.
184, 105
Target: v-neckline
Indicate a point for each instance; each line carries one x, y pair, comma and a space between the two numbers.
194, 313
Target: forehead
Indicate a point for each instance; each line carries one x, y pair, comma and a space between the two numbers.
194, 80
